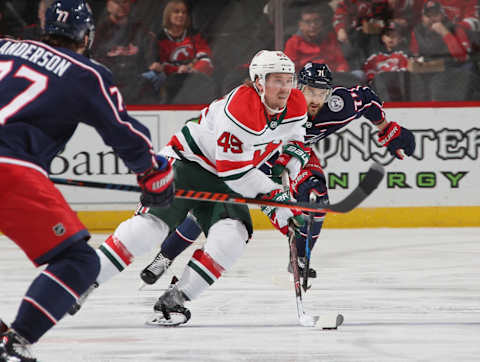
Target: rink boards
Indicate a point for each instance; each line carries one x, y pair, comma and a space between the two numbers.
437, 186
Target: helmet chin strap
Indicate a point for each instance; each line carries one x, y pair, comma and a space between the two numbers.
262, 98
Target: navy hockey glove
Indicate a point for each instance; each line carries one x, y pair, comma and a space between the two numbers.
396, 138
158, 189
308, 182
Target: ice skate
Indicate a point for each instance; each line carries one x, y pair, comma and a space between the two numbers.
312, 273
155, 269
169, 309
14, 348
78, 304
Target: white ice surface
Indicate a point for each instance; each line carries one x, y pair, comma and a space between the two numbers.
406, 294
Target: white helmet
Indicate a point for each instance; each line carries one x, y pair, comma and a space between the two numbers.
269, 61
266, 62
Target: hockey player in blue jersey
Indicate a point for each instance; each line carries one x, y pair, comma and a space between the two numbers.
329, 109
46, 89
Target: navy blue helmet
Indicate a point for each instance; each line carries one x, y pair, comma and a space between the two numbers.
316, 75
72, 19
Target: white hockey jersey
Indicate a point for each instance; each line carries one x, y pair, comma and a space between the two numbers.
234, 137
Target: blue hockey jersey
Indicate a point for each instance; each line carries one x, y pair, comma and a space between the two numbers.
45, 92
343, 106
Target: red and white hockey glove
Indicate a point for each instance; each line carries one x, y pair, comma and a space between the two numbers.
280, 216
397, 138
294, 157
158, 189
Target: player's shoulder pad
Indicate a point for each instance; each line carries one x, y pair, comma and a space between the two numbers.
340, 100
87, 63
245, 109
101, 67
98, 69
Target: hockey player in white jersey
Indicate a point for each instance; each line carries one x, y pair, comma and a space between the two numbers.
222, 153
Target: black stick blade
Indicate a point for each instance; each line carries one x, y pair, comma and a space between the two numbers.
369, 183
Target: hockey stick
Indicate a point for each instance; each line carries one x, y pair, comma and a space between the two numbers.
366, 186
305, 319
308, 245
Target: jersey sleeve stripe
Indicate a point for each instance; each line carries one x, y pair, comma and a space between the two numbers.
294, 119
228, 166
18, 162
190, 149
194, 147
323, 124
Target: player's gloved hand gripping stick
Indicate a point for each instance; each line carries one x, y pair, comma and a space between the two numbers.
156, 184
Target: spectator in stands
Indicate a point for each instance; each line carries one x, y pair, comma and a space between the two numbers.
127, 48
235, 31
386, 67
359, 22
441, 63
463, 14
316, 41
353, 23
183, 58
437, 37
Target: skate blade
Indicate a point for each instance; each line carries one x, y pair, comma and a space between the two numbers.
158, 320
330, 322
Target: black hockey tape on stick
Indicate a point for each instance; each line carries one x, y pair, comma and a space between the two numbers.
369, 183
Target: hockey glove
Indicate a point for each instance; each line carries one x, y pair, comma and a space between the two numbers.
309, 182
294, 157
279, 216
158, 189
396, 138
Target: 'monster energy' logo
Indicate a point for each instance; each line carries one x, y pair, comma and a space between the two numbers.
444, 146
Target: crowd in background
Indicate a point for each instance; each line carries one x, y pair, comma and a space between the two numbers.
193, 51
